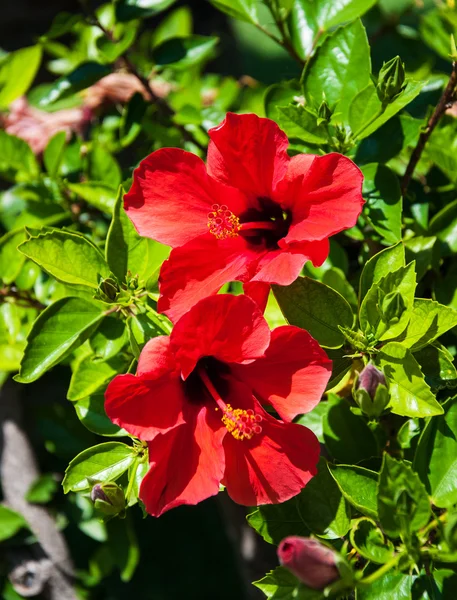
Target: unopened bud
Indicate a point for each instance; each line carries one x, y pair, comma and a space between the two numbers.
324, 113
108, 498
370, 391
108, 290
309, 560
391, 80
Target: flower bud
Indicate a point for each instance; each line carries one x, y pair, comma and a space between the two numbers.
391, 80
108, 498
324, 113
370, 391
309, 560
108, 290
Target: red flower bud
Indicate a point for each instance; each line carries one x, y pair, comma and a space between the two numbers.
309, 560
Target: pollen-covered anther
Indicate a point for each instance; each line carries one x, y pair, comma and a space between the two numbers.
242, 424
222, 223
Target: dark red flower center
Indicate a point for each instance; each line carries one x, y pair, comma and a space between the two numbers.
265, 225
242, 424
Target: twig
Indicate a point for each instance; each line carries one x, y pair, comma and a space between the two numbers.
444, 102
161, 104
20, 298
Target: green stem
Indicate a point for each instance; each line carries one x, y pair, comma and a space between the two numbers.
382, 570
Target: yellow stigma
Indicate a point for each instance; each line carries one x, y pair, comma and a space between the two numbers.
222, 223
242, 424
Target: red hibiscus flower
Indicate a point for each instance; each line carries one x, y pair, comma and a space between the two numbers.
253, 214
196, 399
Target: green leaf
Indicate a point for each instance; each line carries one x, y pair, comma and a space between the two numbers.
127, 251
91, 413
403, 504
42, 490
124, 547
141, 328
132, 118
17, 160
366, 113
358, 486
317, 308
281, 584
437, 364
245, 10
340, 69
98, 195
346, 435
403, 282
10, 523
58, 330
420, 249
428, 321
140, 9
110, 338
103, 167
410, 396
17, 72
309, 20
380, 265
369, 541
11, 260
336, 279
314, 420
81, 78
53, 153
104, 462
320, 508
176, 24
69, 257
185, 52
89, 376
444, 226
297, 122
393, 586
381, 190
436, 457
62, 24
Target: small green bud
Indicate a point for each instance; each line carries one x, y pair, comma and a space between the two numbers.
108, 498
392, 307
391, 80
370, 391
108, 290
324, 113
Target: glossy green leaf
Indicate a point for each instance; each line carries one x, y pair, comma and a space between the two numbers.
281, 584
11, 260
436, 457
366, 113
319, 508
135, 9
62, 23
297, 122
110, 338
104, 462
420, 249
381, 264
347, 436
10, 523
336, 279
127, 251
42, 490
81, 78
428, 321
91, 413
403, 503
309, 20
99, 195
317, 308
358, 486
176, 24
401, 281
69, 257
245, 10
437, 364
444, 226
17, 160
89, 376
393, 586
103, 167
53, 153
143, 327
410, 396
183, 53
382, 193
17, 72
314, 420
58, 330
370, 542
340, 69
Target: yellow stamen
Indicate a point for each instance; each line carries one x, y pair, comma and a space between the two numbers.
222, 223
242, 424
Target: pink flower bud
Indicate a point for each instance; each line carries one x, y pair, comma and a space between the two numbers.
309, 560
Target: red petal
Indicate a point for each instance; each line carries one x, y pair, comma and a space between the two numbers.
249, 153
199, 269
186, 464
259, 292
156, 358
324, 198
172, 194
293, 374
145, 407
272, 466
283, 266
229, 328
